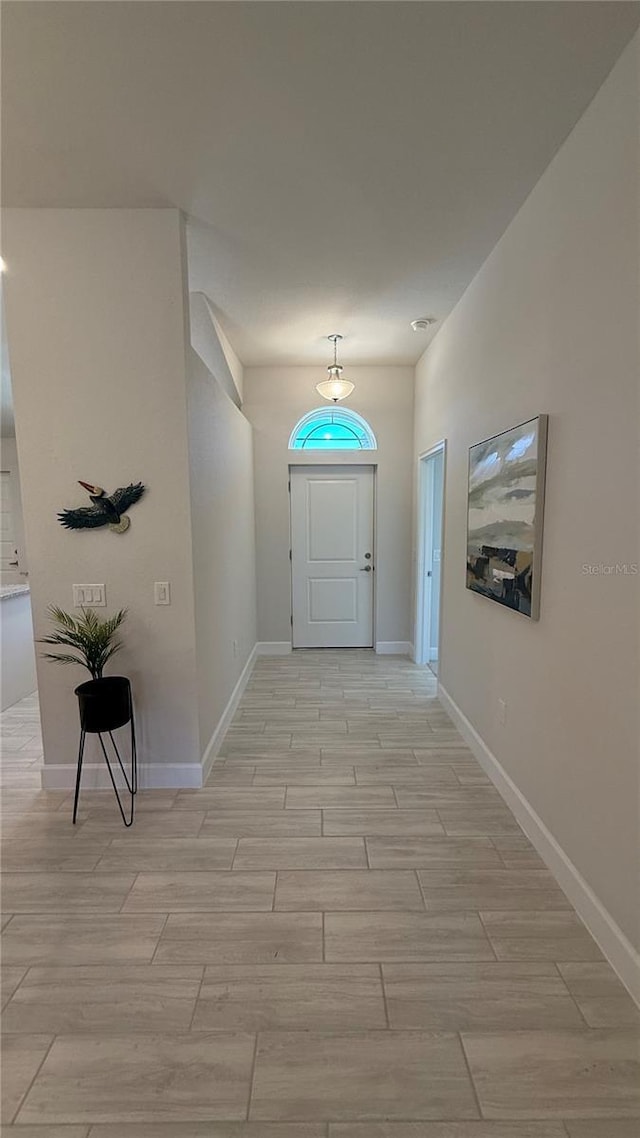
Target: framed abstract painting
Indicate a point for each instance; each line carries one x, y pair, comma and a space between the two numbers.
504, 516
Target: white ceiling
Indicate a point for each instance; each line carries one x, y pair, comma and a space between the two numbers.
346, 166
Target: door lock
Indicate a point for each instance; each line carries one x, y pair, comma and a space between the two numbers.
367, 556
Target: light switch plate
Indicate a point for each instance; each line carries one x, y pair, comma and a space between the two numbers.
162, 593
89, 595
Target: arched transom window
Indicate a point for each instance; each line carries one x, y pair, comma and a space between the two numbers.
332, 428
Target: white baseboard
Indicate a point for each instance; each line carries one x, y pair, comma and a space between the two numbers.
617, 948
394, 648
273, 648
155, 776
151, 776
215, 742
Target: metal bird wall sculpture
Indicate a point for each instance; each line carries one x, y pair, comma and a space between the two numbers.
106, 510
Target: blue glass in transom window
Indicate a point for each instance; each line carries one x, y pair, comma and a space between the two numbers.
330, 428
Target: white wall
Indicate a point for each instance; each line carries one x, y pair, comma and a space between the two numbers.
550, 324
213, 347
95, 310
274, 399
233, 361
224, 555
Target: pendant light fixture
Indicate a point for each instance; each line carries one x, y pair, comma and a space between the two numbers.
335, 388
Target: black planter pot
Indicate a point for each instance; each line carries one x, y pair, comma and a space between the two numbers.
105, 705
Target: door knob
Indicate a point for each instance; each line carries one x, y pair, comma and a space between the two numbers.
367, 569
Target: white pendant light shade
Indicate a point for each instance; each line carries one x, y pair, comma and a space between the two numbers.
335, 388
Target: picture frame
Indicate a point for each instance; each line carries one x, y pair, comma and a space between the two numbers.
505, 514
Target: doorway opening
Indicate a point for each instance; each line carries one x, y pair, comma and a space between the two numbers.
332, 556
21, 755
431, 474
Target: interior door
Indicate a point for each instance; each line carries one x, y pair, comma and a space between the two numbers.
9, 574
430, 565
435, 556
332, 556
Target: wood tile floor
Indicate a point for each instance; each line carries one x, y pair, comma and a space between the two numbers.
344, 935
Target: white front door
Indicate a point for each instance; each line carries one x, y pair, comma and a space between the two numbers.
332, 556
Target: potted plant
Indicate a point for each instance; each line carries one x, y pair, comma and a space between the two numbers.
104, 701
92, 638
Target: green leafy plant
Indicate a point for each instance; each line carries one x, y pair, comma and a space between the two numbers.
94, 640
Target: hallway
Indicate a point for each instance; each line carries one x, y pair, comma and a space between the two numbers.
345, 925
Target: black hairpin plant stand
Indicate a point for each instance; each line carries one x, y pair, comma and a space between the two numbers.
105, 705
